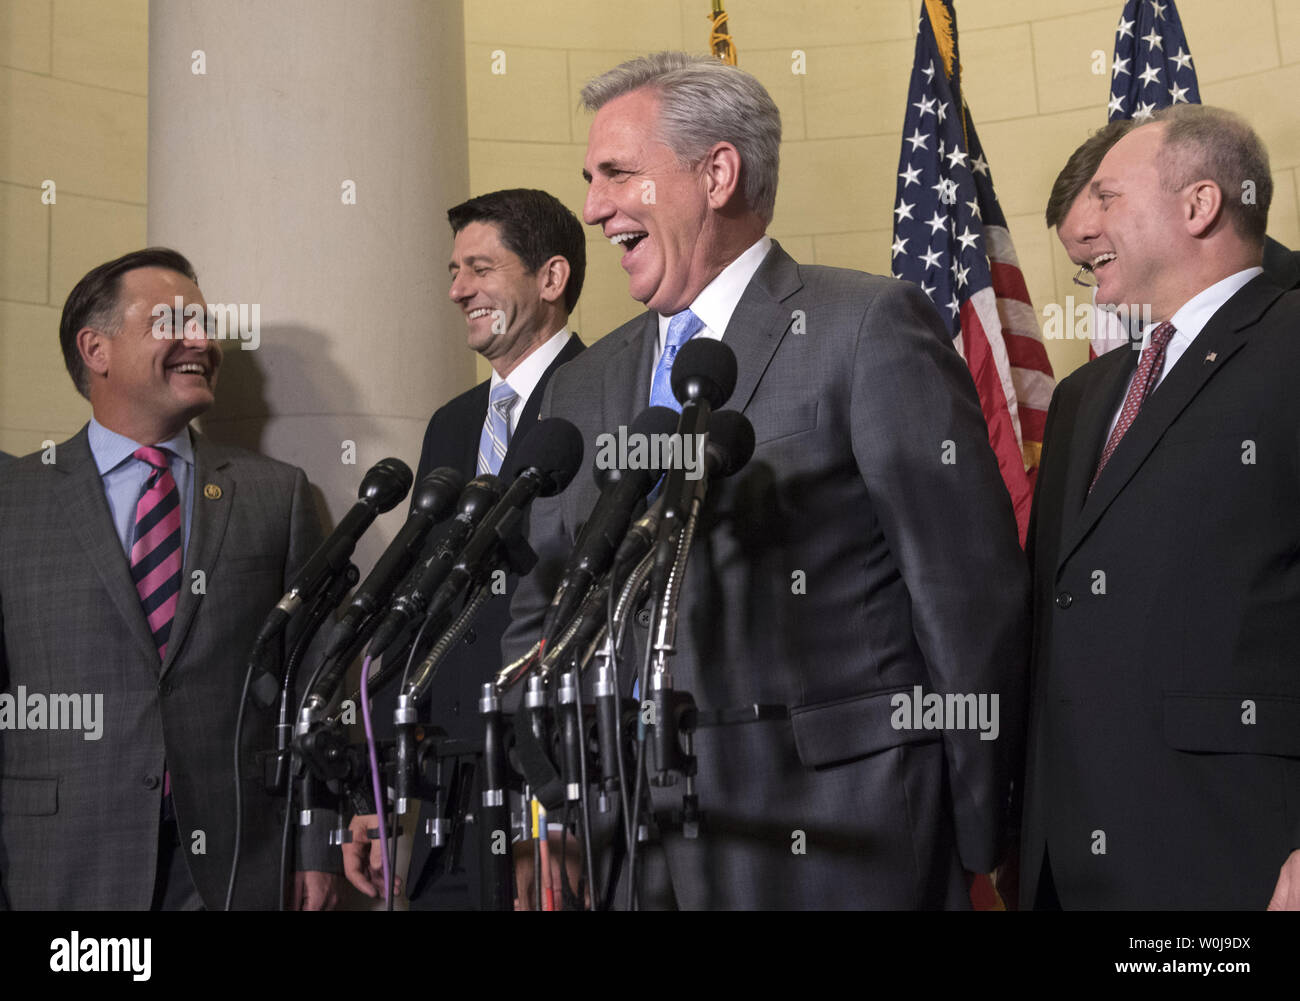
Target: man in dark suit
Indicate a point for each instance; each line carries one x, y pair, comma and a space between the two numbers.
517, 268
1164, 751
136, 560
847, 565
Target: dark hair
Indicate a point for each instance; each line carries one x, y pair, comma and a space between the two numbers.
93, 302
1078, 170
534, 226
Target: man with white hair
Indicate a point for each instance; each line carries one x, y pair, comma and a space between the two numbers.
868, 551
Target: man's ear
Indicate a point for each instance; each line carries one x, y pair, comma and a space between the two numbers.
1203, 203
722, 174
94, 346
553, 278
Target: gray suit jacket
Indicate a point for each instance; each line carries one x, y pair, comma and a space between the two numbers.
79, 818
874, 487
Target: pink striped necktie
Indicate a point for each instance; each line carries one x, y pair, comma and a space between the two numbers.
1144, 381
156, 559
156, 551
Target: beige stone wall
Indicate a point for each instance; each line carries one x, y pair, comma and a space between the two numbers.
73, 82
1028, 79
73, 85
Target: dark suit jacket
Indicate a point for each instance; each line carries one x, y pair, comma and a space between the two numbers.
913, 576
79, 818
452, 439
1165, 720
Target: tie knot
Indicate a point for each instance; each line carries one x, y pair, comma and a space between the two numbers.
681, 328
155, 457
502, 396
1161, 336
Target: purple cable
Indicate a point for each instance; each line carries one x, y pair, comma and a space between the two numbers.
374, 768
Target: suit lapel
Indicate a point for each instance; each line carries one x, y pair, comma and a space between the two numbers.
760, 321
473, 434
628, 373
533, 405
80, 494
209, 518
1093, 425
1222, 337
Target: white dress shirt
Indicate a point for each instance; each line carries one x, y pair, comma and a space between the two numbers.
528, 373
1188, 322
715, 304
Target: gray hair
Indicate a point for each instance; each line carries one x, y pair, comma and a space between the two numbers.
702, 102
1207, 143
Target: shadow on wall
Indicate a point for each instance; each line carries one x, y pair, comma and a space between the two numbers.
294, 364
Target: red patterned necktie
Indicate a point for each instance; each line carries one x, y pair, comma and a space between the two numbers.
156, 551
1144, 381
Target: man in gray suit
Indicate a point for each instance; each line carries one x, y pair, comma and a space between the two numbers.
137, 560
867, 556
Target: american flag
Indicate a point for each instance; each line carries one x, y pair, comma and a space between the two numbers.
1152, 67
951, 238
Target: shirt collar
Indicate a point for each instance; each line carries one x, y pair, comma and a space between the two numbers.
528, 373
111, 449
1195, 313
715, 304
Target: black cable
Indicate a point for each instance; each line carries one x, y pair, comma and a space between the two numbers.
284, 843
584, 801
643, 682
239, 786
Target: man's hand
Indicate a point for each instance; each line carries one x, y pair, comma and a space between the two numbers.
1286, 895
523, 851
363, 858
316, 891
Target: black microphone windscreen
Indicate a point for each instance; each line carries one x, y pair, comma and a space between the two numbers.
555, 447
385, 484
436, 494
731, 442
704, 368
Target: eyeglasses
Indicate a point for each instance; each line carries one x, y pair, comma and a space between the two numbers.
1085, 277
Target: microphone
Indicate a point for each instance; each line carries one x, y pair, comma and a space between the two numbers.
730, 445
478, 498
621, 491
704, 372
432, 501
382, 488
545, 460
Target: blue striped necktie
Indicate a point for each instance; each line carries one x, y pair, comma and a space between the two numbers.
494, 441
681, 328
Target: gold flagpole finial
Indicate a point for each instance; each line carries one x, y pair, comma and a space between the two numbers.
721, 43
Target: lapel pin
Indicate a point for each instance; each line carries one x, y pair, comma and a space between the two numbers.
1211, 356
212, 492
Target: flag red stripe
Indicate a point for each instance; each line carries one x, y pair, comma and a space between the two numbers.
993, 402
1008, 282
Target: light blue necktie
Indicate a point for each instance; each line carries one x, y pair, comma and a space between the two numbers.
494, 440
681, 328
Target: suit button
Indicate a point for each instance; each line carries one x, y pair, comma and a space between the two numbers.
470, 636
151, 781
165, 688
643, 618
1064, 600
